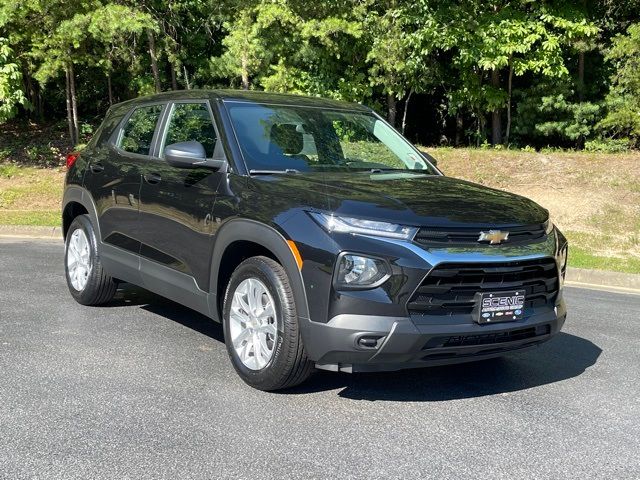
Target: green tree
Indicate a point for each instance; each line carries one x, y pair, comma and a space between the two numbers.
11, 94
188, 29
295, 46
245, 50
400, 64
87, 38
493, 41
113, 30
623, 100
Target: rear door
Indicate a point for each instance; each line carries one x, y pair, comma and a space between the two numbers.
114, 176
176, 205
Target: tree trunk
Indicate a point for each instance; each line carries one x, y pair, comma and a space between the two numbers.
482, 127
110, 89
26, 86
69, 112
32, 91
509, 90
459, 128
38, 103
496, 115
585, 8
174, 76
186, 77
392, 109
580, 76
404, 114
245, 71
154, 61
74, 104
40, 107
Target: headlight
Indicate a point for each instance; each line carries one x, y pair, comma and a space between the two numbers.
358, 271
562, 262
334, 223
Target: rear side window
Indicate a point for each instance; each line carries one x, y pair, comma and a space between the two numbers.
191, 122
137, 134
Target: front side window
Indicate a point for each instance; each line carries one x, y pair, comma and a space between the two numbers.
191, 122
277, 137
137, 134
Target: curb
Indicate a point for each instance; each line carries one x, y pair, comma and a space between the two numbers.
27, 231
581, 277
578, 277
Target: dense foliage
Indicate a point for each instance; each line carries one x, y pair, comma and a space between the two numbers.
512, 72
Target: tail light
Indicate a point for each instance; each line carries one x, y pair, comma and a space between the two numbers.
71, 159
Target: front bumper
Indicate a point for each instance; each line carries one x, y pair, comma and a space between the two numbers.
399, 332
395, 343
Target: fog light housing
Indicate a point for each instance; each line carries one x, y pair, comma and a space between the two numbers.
360, 272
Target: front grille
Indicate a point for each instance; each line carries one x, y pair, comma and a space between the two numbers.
450, 288
488, 338
434, 237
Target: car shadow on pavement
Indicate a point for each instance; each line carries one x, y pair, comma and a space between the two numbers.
131, 295
563, 357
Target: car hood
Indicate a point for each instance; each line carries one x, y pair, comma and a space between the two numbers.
405, 198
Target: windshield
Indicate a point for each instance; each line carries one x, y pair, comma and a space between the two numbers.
308, 139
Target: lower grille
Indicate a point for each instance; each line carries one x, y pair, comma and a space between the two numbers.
450, 289
488, 338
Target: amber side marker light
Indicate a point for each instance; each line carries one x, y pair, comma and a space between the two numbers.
296, 253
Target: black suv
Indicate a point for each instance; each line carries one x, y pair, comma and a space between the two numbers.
312, 230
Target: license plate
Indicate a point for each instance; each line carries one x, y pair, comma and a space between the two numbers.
494, 307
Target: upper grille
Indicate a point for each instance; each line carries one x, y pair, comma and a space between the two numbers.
433, 236
450, 288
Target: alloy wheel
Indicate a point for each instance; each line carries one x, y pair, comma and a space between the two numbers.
253, 323
78, 259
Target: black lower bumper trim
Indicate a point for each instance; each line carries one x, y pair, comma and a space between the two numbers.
402, 344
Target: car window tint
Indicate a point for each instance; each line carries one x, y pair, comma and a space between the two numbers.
311, 139
362, 144
191, 122
137, 134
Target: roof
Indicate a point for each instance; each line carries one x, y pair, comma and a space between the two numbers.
250, 96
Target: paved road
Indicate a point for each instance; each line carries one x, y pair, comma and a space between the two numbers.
143, 389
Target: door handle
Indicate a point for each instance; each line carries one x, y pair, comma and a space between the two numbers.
152, 178
97, 168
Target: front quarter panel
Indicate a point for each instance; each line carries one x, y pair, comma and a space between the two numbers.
270, 238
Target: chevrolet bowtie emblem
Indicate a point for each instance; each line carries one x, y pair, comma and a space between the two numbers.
494, 237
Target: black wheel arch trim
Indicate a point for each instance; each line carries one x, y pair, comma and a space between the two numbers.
240, 229
78, 194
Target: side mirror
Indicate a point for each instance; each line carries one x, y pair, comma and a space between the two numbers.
193, 155
185, 155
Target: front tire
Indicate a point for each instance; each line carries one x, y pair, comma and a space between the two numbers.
88, 283
261, 327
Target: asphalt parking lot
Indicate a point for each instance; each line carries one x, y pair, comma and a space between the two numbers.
143, 388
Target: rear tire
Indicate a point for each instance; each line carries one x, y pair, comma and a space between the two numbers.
87, 280
261, 327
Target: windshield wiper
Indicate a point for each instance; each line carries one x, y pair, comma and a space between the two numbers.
382, 170
273, 172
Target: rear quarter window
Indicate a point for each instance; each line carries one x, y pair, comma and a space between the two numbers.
106, 129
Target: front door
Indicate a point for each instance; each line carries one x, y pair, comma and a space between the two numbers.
176, 206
